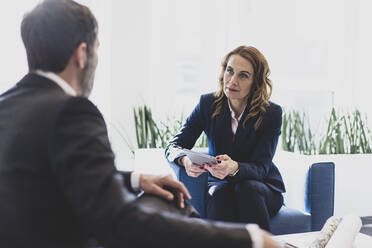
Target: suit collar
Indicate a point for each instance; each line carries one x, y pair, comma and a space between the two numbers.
35, 80
223, 124
58, 80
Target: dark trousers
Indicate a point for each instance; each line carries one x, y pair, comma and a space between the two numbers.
249, 201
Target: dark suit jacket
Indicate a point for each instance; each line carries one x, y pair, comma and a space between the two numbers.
59, 185
252, 149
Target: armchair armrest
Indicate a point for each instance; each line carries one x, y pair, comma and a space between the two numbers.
196, 186
320, 193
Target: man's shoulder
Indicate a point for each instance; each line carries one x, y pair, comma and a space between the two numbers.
43, 97
34, 89
49, 91
79, 104
33, 96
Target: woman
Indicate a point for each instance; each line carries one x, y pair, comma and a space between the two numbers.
242, 127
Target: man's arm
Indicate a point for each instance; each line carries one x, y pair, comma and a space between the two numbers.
155, 184
128, 181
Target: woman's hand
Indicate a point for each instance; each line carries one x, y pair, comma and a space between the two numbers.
223, 169
192, 170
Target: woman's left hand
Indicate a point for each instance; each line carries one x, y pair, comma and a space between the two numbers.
223, 169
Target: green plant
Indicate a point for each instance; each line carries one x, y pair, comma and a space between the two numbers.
344, 134
147, 132
157, 134
169, 128
358, 134
333, 140
296, 133
288, 139
172, 125
347, 133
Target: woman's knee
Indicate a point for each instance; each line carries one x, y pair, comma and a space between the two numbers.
220, 204
218, 190
251, 187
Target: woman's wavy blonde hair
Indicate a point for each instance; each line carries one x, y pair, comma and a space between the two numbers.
261, 89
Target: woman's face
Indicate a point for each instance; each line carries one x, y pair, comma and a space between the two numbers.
237, 78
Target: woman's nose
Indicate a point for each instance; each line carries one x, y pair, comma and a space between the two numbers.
233, 80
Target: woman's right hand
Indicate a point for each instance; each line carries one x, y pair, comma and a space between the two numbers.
192, 170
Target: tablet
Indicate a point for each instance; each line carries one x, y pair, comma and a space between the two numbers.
199, 158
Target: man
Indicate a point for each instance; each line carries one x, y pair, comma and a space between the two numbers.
58, 183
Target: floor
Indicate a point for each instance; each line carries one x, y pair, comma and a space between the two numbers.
367, 225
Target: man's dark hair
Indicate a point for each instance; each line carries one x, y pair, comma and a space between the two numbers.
53, 30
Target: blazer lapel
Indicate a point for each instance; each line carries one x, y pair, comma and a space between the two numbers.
243, 133
223, 132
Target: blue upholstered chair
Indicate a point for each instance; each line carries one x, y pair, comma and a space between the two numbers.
317, 196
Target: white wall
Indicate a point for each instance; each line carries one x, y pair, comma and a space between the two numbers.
166, 53
13, 63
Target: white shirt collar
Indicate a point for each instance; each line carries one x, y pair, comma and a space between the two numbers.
233, 113
58, 80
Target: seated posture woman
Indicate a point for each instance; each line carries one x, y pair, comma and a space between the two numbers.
242, 127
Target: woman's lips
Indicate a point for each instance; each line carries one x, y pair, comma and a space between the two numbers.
232, 90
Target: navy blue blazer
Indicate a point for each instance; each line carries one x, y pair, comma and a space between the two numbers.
252, 149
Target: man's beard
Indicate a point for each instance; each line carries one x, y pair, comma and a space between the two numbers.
88, 77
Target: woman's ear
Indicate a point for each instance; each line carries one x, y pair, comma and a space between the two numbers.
81, 55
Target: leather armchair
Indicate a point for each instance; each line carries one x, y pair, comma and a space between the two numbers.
312, 187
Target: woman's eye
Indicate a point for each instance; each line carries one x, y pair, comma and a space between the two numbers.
229, 70
244, 76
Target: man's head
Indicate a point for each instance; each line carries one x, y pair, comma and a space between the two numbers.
56, 31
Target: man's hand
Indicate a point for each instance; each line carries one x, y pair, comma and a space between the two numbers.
223, 169
154, 184
192, 170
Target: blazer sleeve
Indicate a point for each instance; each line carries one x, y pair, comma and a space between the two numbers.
261, 159
83, 166
188, 134
127, 180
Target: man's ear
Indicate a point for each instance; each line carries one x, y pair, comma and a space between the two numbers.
81, 55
